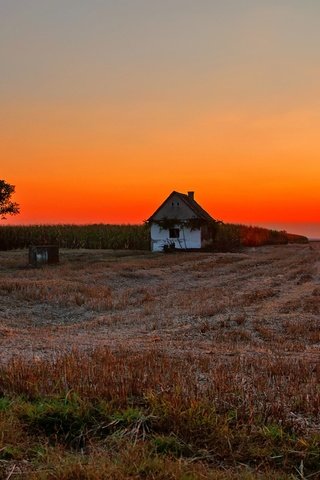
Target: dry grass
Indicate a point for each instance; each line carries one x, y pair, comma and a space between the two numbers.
189, 302
166, 415
202, 365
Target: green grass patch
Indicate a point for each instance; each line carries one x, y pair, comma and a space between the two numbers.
143, 431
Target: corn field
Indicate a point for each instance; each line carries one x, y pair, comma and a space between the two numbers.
133, 237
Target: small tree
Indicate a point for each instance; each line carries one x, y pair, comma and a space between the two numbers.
7, 207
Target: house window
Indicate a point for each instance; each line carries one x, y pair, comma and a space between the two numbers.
174, 232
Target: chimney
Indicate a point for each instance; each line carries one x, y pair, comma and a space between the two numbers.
191, 195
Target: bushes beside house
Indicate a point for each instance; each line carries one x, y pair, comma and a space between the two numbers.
232, 236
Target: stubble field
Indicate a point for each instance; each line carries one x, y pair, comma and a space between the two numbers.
233, 339
262, 301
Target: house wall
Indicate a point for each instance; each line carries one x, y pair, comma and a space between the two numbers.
188, 238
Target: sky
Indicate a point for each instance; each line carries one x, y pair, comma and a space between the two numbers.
106, 106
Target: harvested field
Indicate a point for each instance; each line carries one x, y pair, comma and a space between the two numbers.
259, 301
128, 365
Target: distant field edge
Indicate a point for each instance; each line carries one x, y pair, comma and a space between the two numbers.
226, 237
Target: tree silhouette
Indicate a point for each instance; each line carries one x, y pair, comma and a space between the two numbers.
7, 207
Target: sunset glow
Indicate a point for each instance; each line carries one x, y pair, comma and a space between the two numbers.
106, 107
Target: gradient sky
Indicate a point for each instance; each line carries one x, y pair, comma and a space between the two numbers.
109, 105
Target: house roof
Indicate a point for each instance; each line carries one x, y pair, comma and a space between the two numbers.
198, 211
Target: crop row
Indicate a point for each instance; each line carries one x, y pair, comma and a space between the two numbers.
132, 237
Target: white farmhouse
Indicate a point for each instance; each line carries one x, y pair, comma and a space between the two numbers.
180, 223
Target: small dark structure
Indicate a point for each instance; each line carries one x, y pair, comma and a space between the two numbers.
43, 255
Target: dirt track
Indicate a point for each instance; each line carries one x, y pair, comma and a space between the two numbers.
264, 300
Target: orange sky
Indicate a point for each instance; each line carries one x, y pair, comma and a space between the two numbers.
105, 109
